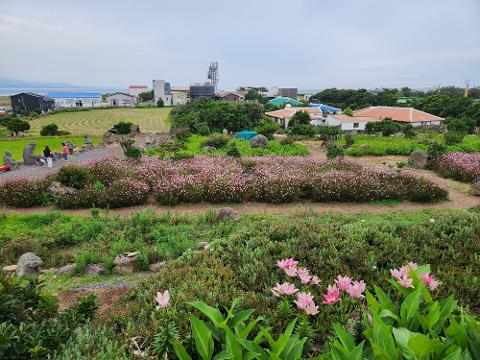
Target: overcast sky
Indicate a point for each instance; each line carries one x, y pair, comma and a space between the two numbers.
309, 44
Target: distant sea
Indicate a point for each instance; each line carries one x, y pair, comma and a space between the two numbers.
44, 91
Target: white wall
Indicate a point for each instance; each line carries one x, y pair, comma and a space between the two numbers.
121, 100
72, 102
420, 123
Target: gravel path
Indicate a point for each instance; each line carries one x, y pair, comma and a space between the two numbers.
40, 171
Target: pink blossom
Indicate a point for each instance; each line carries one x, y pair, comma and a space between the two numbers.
356, 289
304, 275
399, 273
287, 263
426, 278
412, 265
332, 296
343, 282
303, 300
314, 280
433, 285
284, 289
291, 271
162, 299
406, 282
311, 309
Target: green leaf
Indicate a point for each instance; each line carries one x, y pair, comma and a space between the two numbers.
295, 350
409, 307
243, 333
252, 347
384, 300
457, 355
224, 355
423, 346
345, 339
233, 346
381, 339
181, 352
373, 304
385, 313
282, 341
433, 314
213, 314
402, 336
241, 317
203, 338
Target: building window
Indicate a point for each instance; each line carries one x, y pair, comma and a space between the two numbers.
356, 125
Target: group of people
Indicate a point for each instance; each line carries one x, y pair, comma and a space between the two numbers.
49, 156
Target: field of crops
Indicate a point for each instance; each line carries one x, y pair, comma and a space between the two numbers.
96, 122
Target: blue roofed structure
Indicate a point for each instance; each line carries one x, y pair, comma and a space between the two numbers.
67, 99
74, 95
326, 108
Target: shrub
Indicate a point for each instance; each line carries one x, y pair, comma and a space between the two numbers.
434, 152
288, 140
334, 151
232, 149
203, 129
24, 192
216, 140
453, 137
160, 103
33, 114
303, 130
129, 150
73, 176
387, 127
49, 130
267, 128
459, 166
123, 128
349, 140
181, 133
16, 125
299, 118
29, 317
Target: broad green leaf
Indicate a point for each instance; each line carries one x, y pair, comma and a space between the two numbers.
282, 341
252, 347
433, 314
402, 336
382, 339
338, 354
243, 333
224, 355
295, 351
409, 307
458, 332
357, 353
423, 346
384, 300
345, 339
233, 346
385, 313
181, 352
241, 317
373, 304
213, 314
457, 355
203, 338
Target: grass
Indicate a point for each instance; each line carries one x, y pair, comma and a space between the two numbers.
15, 146
365, 145
4, 100
97, 121
194, 145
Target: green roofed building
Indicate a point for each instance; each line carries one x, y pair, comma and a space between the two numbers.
282, 101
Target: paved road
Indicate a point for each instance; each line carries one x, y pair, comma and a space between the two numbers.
39, 171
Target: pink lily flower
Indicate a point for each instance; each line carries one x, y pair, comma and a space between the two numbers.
332, 296
434, 284
303, 300
343, 282
162, 299
284, 289
314, 280
304, 275
406, 282
287, 263
311, 309
291, 271
356, 289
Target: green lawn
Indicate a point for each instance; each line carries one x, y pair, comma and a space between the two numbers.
96, 122
15, 146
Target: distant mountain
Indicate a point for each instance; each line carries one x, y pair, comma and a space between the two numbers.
16, 83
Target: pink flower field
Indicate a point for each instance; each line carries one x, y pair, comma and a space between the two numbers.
460, 166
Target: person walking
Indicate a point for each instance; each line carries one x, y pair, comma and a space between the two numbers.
64, 151
47, 154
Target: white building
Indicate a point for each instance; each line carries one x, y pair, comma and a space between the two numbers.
180, 95
162, 90
75, 99
122, 99
346, 123
283, 116
136, 90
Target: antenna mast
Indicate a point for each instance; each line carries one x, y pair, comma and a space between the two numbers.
212, 74
467, 88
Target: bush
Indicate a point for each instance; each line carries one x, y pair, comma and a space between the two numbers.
453, 137
24, 192
49, 130
218, 141
459, 166
29, 317
34, 114
299, 118
303, 130
349, 140
434, 152
267, 128
123, 128
17, 125
287, 141
232, 149
334, 151
160, 103
203, 129
129, 150
387, 127
73, 176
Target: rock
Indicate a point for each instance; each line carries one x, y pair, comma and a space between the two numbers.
208, 148
65, 270
108, 138
46, 271
476, 188
228, 213
279, 137
29, 154
8, 159
418, 159
259, 141
125, 263
94, 269
203, 245
58, 189
134, 130
28, 264
87, 143
156, 266
10, 268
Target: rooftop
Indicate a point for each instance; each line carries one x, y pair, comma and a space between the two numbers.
289, 111
404, 114
347, 118
74, 95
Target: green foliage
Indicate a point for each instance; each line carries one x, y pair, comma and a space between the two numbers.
17, 125
355, 99
34, 114
218, 141
146, 96
412, 326
267, 128
334, 151
453, 137
123, 128
299, 118
49, 130
31, 327
463, 125
408, 131
434, 152
349, 140
253, 95
232, 150
203, 129
129, 150
387, 127
160, 103
218, 115
73, 176
348, 111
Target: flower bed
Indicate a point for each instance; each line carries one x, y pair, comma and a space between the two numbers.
24, 192
460, 166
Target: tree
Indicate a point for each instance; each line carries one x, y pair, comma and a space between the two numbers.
348, 111
49, 130
17, 125
123, 128
146, 96
387, 127
300, 118
253, 96
160, 103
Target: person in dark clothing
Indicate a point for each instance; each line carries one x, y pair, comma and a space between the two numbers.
48, 156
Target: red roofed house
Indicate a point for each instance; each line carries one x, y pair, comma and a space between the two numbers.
228, 96
346, 122
283, 116
136, 90
401, 114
